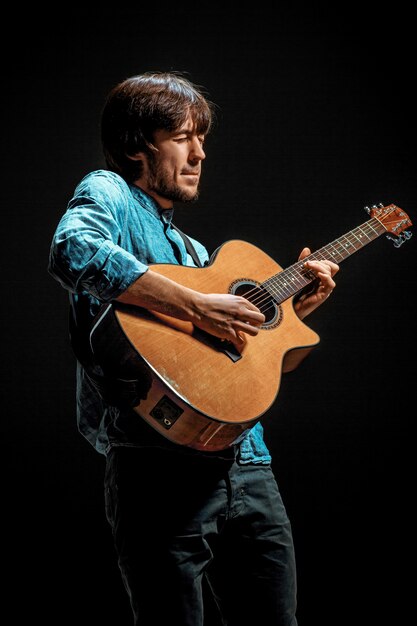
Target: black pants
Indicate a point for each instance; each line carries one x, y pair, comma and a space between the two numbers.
178, 517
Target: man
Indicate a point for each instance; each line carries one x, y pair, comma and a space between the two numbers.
177, 514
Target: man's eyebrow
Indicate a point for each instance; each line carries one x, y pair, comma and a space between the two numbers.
183, 131
186, 131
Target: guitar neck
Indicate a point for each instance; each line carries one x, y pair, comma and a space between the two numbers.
295, 278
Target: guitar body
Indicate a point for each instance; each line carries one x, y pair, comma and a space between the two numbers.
201, 392
193, 388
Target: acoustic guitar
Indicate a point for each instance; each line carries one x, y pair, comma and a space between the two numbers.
197, 390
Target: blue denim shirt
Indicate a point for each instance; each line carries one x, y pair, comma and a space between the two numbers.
106, 239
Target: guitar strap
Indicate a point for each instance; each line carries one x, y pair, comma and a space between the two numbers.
189, 246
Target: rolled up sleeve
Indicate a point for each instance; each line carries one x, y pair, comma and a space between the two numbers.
86, 255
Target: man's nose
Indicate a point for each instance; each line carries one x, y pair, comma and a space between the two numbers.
197, 151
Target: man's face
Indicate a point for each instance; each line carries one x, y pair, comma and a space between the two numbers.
172, 172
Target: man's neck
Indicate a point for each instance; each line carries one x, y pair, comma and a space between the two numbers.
164, 203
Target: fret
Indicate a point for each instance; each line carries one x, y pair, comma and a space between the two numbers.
296, 277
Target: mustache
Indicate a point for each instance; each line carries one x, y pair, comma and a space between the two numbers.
193, 172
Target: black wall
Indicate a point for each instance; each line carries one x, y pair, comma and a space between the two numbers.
315, 121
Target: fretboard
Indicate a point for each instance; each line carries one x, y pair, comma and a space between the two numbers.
293, 279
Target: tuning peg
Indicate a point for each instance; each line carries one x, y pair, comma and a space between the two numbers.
367, 209
398, 240
380, 205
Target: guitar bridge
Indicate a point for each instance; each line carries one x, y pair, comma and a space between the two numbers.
230, 349
218, 344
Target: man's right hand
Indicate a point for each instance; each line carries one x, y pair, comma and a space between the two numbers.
225, 316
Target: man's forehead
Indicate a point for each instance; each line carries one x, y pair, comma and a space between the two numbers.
188, 126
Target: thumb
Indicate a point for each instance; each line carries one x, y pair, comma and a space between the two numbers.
304, 252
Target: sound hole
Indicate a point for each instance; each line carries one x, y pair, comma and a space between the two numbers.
261, 298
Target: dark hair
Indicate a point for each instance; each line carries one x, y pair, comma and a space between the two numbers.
140, 105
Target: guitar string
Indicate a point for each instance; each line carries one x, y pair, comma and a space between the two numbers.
259, 295
265, 300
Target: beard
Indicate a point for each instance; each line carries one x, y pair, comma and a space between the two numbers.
160, 181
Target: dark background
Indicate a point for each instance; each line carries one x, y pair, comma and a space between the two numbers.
316, 119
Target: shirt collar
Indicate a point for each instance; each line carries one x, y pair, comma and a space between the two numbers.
151, 205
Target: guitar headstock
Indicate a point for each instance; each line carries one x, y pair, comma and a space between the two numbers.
394, 220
